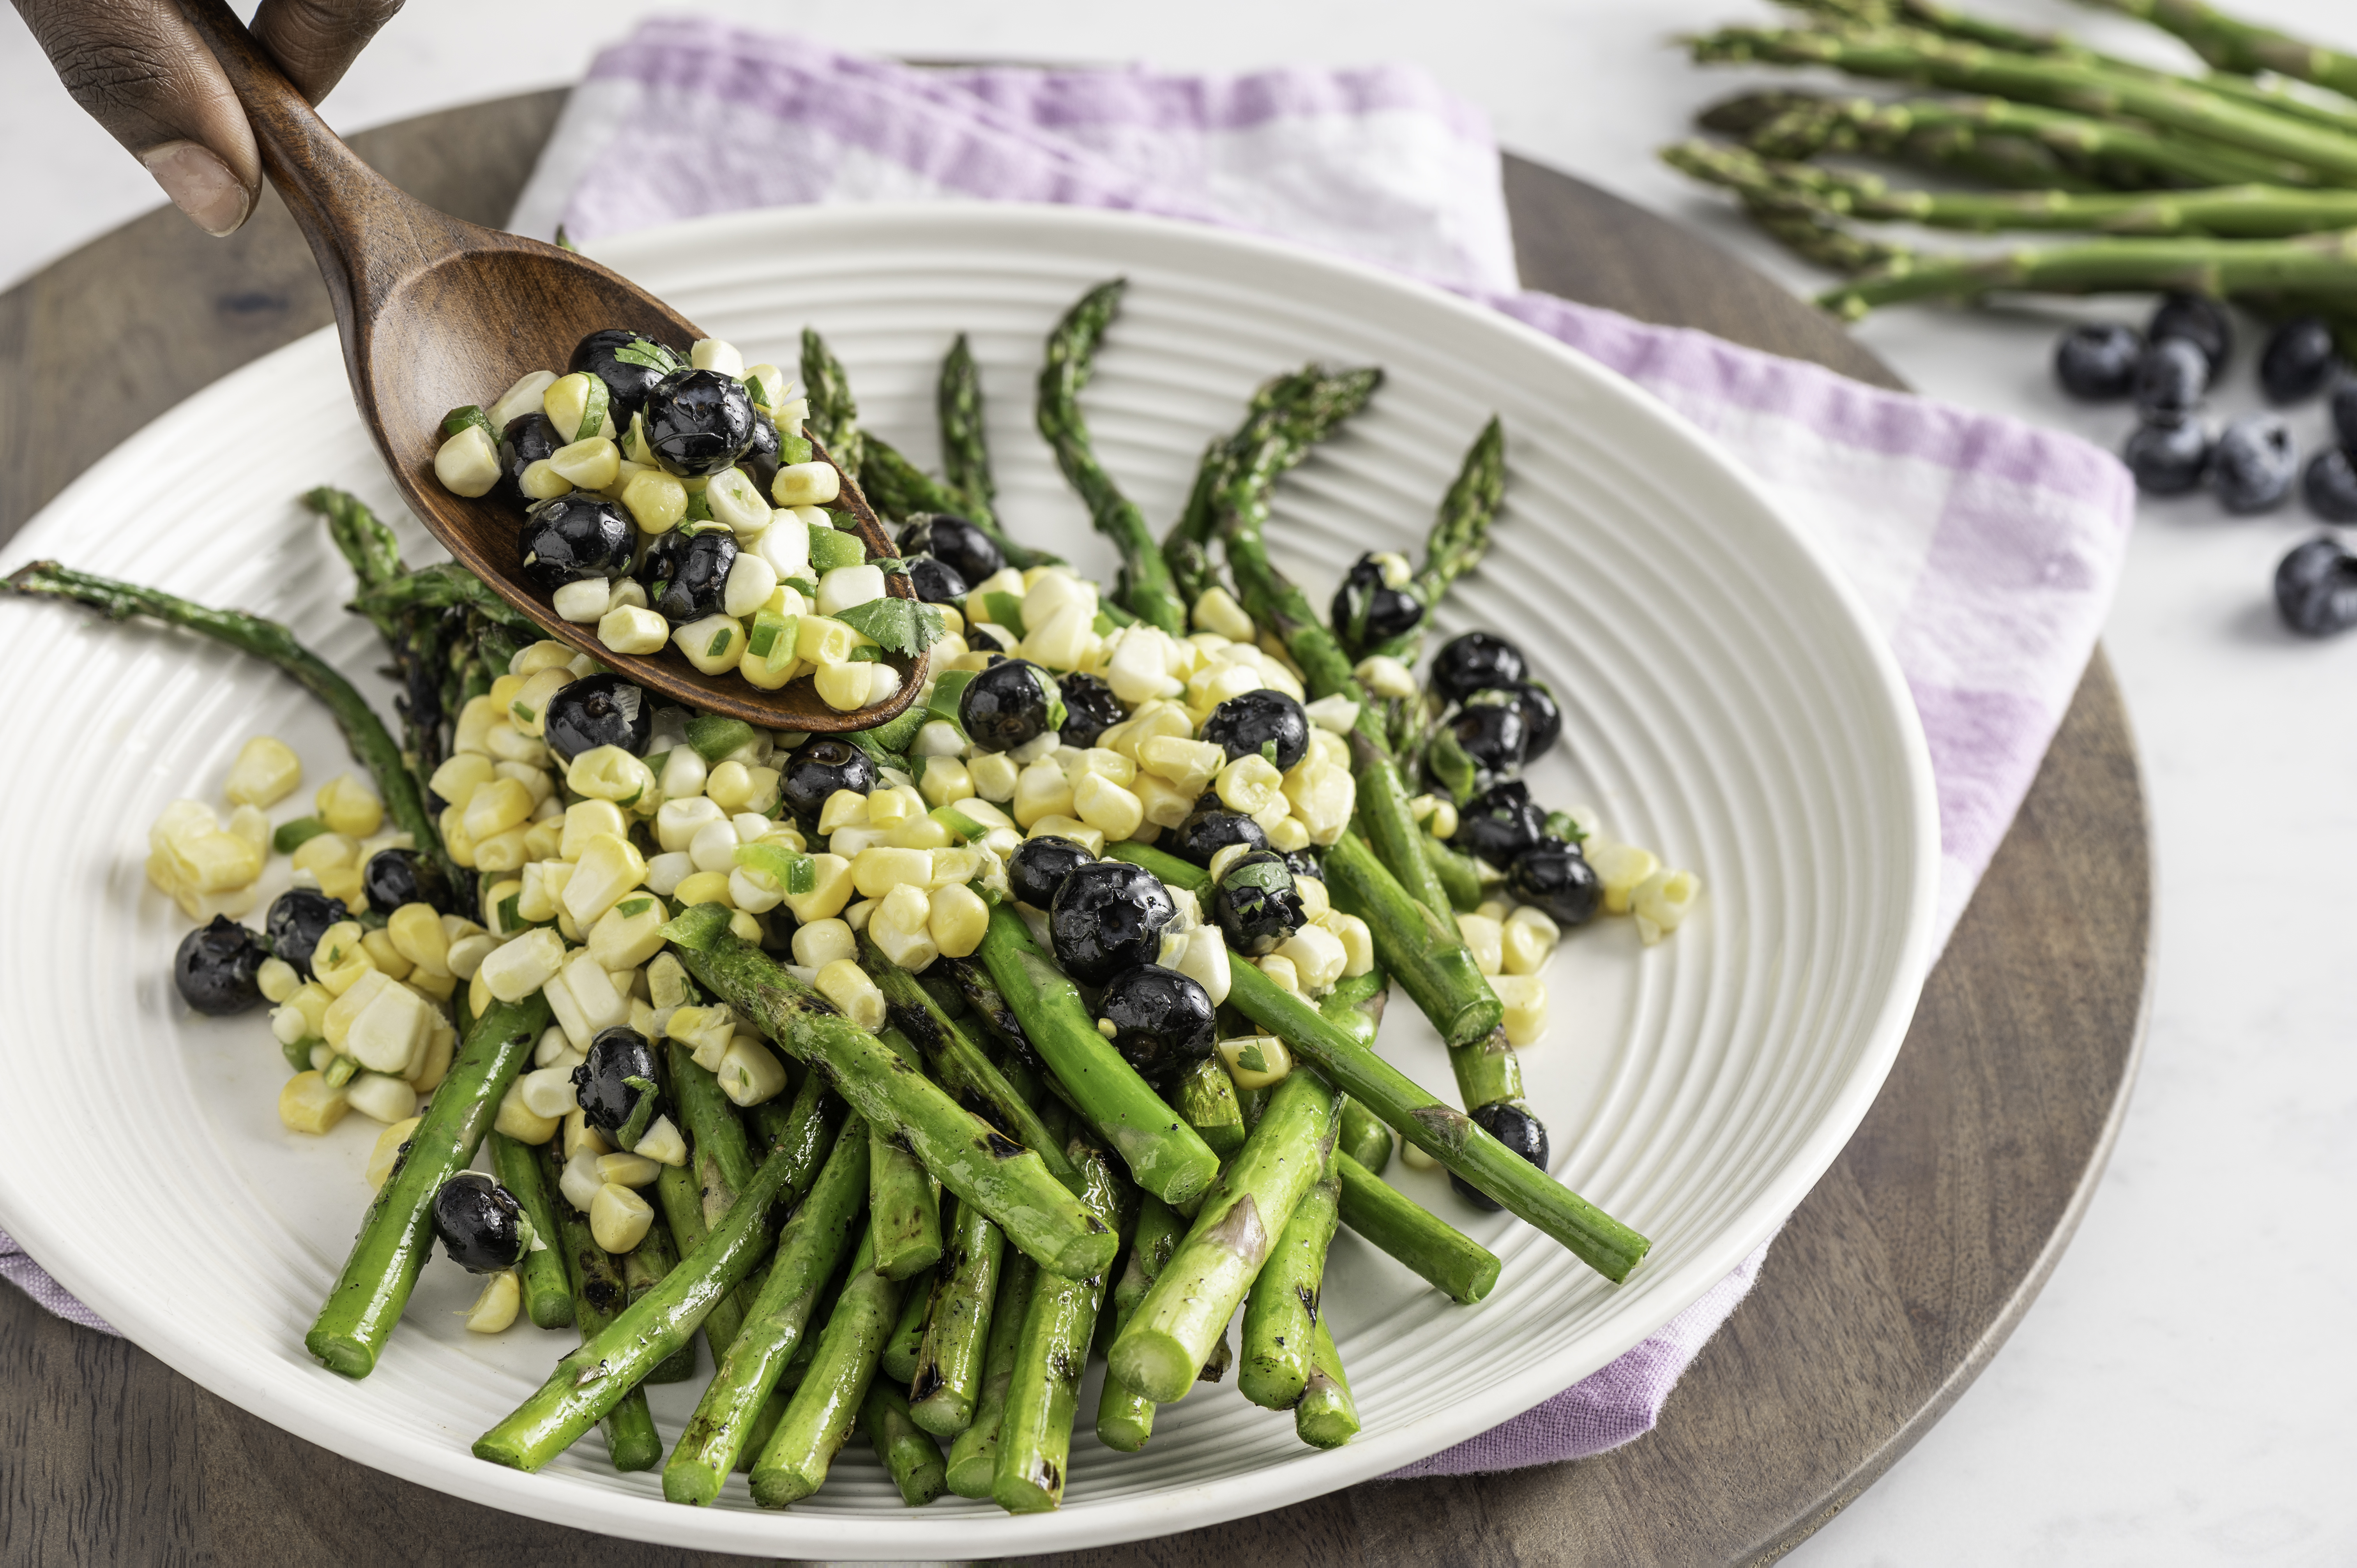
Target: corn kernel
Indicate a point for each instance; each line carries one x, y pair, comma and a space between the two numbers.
339, 960
387, 958
628, 934
633, 629
806, 484
1525, 1000
278, 980
958, 920
494, 808
877, 871
995, 776
1088, 836
494, 1311
1357, 941
750, 1073
1318, 958
619, 1219
830, 889
610, 773
656, 500
306, 1104
387, 1149
736, 789
1522, 946
843, 687
265, 772
846, 984
348, 806
1620, 867
1485, 938
584, 821
1281, 970
1255, 1061
1249, 784
1217, 610
1041, 790
324, 852
899, 928
1107, 806
516, 970
1661, 902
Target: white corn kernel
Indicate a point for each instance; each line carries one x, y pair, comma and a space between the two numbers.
495, 1307
715, 354
1205, 961
1357, 941
265, 772
1217, 610
1319, 957
583, 602
1249, 784
1485, 938
630, 933
663, 1144
677, 821
845, 587
714, 645
1620, 867
995, 776
1384, 676
1661, 902
1523, 947
806, 484
522, 966
820, 943
548, 1092
619, 1219
1255, 1061
754, 892
785, 544
631, 1169
846, 984
1336, 714
1442, 822
633, 630
752, 581
468, 464
382, 1096
1041, 790
1107, 806
750, 1073
737, 504
1524, 998
278, 980
938, 738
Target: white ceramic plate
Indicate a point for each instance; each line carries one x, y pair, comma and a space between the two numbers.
1725, 704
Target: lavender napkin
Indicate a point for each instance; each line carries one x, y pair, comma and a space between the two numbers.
1986, 550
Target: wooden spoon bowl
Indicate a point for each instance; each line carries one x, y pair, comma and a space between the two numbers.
435, 313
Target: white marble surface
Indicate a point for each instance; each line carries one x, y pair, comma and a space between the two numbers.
2179, 1394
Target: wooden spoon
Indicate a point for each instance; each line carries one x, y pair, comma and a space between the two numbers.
435, 313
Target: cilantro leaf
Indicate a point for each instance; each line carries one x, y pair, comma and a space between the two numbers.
903, 625
650, 355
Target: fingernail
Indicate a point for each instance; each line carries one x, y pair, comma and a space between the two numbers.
199, 184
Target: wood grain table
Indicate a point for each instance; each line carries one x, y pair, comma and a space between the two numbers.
1889, 1290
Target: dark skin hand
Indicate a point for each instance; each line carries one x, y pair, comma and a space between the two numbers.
140, 69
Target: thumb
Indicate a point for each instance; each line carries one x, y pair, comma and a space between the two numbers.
142, 73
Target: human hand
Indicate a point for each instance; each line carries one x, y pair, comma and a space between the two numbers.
143, 73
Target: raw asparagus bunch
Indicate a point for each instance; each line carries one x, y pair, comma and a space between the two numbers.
2237, 45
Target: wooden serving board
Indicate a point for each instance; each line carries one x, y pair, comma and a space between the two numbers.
1889, 1290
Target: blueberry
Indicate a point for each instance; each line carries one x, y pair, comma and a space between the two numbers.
2198, 319
959, 545
1542, 719
982, 637
1039, 867
2329, 485
215, 967
1516, 1128
393, 877
685, 572
481, 1225
626, 384
1210, 828
296, 921
1108, 916
601, 1083
1162, 1020
1490, 730
2170, 380
572, 538
2297, 361
1265, 721
1367, 609
2098, 362
1007, 705
1556, 878
1089, 709
762, 453
1256, 903
594, 711
820, 768
2344, 410
1305, 863
698, 422
1466, 664
1500, 824
2254, 464
2316, 588
528, 439
2167, 459
936, 581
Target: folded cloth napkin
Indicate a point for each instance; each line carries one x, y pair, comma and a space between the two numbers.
1986, 550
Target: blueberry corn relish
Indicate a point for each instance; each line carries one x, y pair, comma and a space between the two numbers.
669, 499
1109, 861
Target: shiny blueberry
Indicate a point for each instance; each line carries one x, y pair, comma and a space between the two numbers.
2316, 588
820, 768
1490, 730
2254, 464
2330, 486
1162, 1020
1557, 879
1516, 1128
1305, 863
685, 572
1256, 903
1008, 705
1542, 719
1466, 664
2344, 404
2198, 319
574, 537
959, 545
627, 380
936, 581
1108, 916
2097, 362
2170, 380
1210, 828
528, 439
215, 967
1265, 723
296, 921
601, 1083
1039, 867
2167, 459
1500, 824
698, 422
594, 711
1367, 611
393, 877
1089, 709
482, 1226
2297, 361
983, 638
761, 454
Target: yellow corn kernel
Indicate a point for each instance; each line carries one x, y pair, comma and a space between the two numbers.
387, 1149
806, 484
1216, 610
877, 871
713, 645
1281, 970
1486, 937
629, 1168
820, 640
1525, 1000
307, 1105
265, 772
340, 960
1107, 806
750, 1072
735, 789
1620, 867
898, 928
946, 779
455, 838
921, 832
703, 888
630, 933
1165, 804
1249, 784
1189, 764
1661, 902
520, 1121
493, 809
278, 980
527, 661
609, 868
619, 1219
843, 809
431, 1065
1041, 790
1524, 943
1255, 1061
514, 970
1323, 799
461, 776
529, 710
494, 1311
504, 852
386, 955
1317, 956
995, 776
610, 773
348, 806
656, 500
958, 920
846, 984
591, 465
325, 852
842, 687
831, 889
888, 808
1088, 837
584, 821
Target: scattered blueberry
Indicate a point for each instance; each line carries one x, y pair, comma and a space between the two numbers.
2254, 464
2331, 484
2098, 362
2170, 380
2297, 361
2344, 410
1512, 1125
2198, 319
2316, 588
2167, 459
